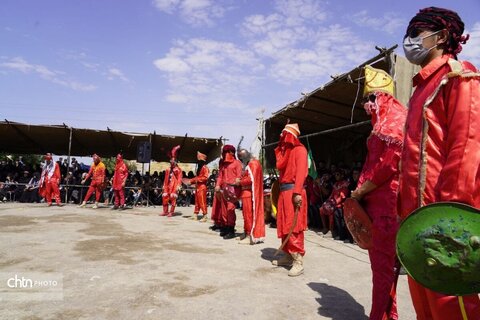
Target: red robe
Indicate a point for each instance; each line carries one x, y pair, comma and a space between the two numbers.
292, 164
119, 177
97, 172
200, 182
171, 183
382, 168
441, 159
228, 172
49, 182
252, 201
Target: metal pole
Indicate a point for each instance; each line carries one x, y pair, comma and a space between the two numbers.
358, 124
68, 162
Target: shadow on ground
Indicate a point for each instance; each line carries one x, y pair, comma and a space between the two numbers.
268, 254
337, 304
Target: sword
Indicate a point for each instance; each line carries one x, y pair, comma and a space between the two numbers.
295, 218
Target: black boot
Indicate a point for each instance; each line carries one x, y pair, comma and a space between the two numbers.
223, 231
214, 228
230, 233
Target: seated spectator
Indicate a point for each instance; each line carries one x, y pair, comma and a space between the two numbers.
313, 197
334, 206
138, 197
8, 190
30, 193
22, 182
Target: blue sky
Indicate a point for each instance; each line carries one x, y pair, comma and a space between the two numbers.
202, 67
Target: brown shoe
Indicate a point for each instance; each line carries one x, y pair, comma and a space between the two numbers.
246, 240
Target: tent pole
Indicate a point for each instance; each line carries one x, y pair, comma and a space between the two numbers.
68, 162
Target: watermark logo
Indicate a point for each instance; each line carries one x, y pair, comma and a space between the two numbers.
31, 286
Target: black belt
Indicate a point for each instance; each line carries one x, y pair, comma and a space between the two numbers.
287, 186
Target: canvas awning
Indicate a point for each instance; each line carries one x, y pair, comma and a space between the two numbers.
38, 139
332, 115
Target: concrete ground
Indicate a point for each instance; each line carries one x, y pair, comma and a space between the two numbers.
134, 264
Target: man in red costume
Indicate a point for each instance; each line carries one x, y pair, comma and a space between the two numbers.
49, 181
440, 159
377, 187
119, 178
292, 164
229, 170
97, 172
200, 182
251, 183
173, 181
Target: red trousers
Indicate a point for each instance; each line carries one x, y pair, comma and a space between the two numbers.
216, 211
247, 211
169, 198
51, 188
295, 243
119, 197
430, 305
98, 192
382, 260
227, 213
201, 199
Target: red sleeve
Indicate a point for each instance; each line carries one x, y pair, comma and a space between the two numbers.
101, 172
90, 172
165, 180
245, 179
203, 176
387, 165
123, 172
57, 174
179, 176
459, 178
238, 169
219, 181
301, 165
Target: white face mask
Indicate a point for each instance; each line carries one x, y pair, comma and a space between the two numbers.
414, 50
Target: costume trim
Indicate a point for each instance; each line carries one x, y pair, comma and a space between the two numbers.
462, 308
457, 71
254, 212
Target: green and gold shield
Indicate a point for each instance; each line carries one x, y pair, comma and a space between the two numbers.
439, 246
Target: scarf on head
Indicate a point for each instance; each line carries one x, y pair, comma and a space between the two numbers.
388, 118
285, 146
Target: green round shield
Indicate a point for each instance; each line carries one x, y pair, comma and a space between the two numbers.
439, 246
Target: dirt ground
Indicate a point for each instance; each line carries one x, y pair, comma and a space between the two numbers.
134, 264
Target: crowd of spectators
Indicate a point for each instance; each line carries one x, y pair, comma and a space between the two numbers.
326, 193
20, 182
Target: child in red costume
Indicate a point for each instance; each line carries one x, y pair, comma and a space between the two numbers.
173, 181
119, 178
97, 172
200, 182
